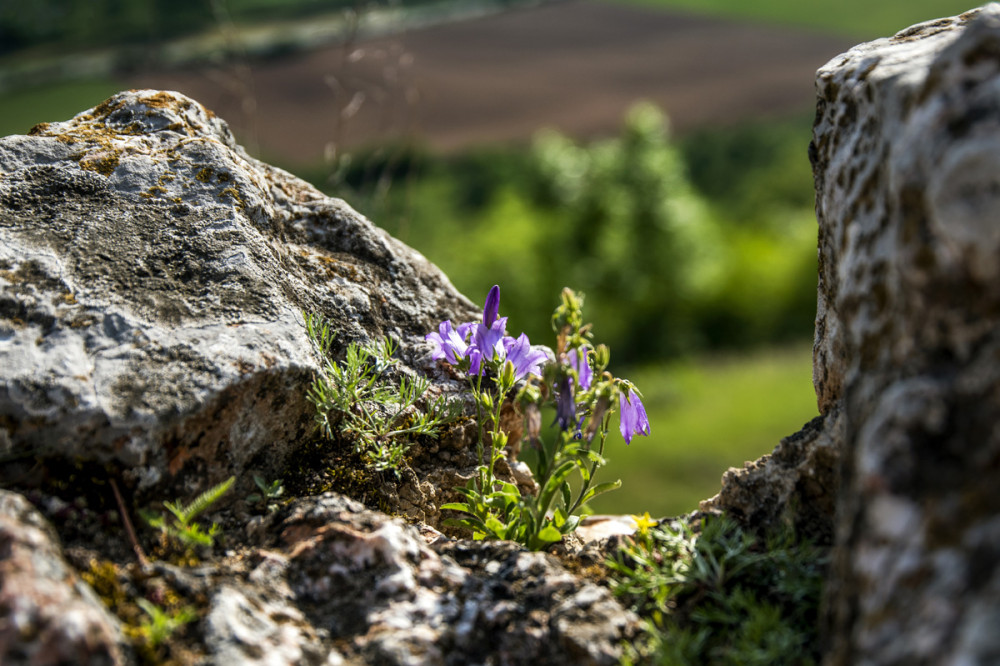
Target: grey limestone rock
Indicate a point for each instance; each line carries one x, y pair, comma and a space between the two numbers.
48, 615
906, 157
797, 484
152, 283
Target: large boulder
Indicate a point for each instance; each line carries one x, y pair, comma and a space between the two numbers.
153, 280
906, 156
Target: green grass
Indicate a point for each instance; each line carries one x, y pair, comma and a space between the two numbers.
21, 110
854, 18
706, 416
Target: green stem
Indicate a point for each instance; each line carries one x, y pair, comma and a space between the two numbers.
498, 404
477, 390
593, 467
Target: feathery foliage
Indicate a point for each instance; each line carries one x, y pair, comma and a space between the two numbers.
359, 398
181, 528
721, 595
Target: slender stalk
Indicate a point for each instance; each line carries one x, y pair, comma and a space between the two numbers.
498, 405
141, 556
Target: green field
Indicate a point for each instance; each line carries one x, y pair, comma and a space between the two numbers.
21, 110
857, 18
706, 415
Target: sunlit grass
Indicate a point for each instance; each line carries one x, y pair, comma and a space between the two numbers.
706, 415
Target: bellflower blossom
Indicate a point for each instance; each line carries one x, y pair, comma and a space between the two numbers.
527, 360
489, 340
566, 401
565, 406
449, 343
492, 307
486, 341
633, 419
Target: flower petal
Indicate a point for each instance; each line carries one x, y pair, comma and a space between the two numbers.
632, 419
492, 308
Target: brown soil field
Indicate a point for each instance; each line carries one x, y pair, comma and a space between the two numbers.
576, 66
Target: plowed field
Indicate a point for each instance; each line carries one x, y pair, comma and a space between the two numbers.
574, 65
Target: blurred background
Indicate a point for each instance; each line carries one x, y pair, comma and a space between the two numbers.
649, 153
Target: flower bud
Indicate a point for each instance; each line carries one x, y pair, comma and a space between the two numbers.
602, 356
507, 376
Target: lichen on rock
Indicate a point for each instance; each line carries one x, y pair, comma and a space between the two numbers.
152, 283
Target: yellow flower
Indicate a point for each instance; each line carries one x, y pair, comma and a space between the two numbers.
644, 522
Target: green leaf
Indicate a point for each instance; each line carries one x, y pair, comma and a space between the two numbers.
600, 489
495, 527
471, 523
559, 517
571, 524
549, 534
552, 485
206, 499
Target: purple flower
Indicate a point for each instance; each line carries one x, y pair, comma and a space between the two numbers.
633, 419
565, 405
449, 343
489, 339
578, 361
492, 308
527, 360
475, 361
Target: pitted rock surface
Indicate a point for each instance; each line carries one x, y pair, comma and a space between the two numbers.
797, 484
374, 583
905, 156
47, 614
152, 283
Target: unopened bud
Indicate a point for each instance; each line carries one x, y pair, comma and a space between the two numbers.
602, 356
507, 375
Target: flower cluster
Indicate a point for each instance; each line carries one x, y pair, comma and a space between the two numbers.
574, 381
472, 343
487, 341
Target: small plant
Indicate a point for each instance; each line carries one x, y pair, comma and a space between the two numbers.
159, 625
575, 383
358, 398
269, 493
180, 526
721, 596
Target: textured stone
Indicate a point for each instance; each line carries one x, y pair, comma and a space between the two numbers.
47, 614
905, 155
375, 581
152, 284
797, 484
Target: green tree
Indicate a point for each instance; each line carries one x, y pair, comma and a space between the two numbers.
634, 230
